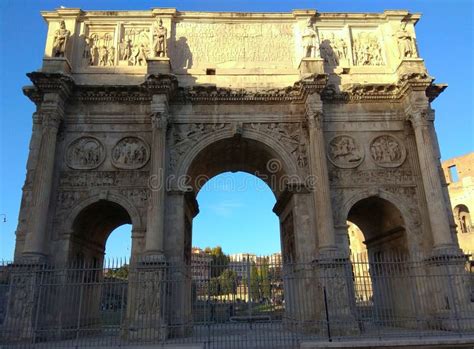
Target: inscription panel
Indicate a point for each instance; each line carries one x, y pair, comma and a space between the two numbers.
225, 44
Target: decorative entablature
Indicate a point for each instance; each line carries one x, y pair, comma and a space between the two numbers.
66, 86
167, 84
292, 94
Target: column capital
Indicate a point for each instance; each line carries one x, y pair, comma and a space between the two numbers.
314, 119
159, 120
51, 119
421, 117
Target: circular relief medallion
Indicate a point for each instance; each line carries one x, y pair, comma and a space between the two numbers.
345, 152
387, 151
130, 153
85, 153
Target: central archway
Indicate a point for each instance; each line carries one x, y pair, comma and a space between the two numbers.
264, 158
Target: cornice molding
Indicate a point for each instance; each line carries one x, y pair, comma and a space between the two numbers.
360, 93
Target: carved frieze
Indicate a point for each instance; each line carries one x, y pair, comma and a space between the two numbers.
137, 196
89, 179
345, 152
347, 177
130, 153
387, 151
85, 153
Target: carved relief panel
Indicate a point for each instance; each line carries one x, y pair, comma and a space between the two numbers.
387, 151
367, 47
85, 153
345, 152
291, 135
100, 48
130, 153
334, 47
135, 45
227, 44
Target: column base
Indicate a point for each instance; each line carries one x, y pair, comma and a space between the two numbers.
146, 303
338, 313
56, 65
309, 66
411, 65
158, 65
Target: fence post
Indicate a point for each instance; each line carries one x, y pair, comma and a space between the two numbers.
78, 325
38, 306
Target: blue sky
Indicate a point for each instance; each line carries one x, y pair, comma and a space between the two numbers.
238, 220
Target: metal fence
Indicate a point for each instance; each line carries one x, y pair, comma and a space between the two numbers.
256, 303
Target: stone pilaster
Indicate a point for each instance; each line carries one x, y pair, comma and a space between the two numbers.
156, 208
319, 168
422, 121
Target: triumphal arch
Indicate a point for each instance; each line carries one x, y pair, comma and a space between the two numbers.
136, 110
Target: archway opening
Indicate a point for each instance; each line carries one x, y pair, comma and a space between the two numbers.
98, 287
236, 246
379, 250
241, 283
92, 228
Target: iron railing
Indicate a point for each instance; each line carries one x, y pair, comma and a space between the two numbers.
241, 304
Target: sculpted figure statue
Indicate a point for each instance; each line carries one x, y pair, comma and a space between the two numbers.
406, 45
310, 41
61, 37
159, 40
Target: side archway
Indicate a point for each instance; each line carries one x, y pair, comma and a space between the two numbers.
90, 223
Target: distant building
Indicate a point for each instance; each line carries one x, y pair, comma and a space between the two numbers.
459, 174
200, 264
240, 262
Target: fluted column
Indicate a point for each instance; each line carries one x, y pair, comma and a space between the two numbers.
156, 208
42, 184
318, 167
422, 122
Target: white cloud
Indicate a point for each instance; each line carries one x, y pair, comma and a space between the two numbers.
224, 208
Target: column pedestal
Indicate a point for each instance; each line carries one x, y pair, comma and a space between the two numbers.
146, 319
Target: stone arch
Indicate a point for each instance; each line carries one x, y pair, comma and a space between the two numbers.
90, 223
288, 163
411, 224
135, 216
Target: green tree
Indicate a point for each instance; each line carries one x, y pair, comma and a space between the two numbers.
119, 273
254, 283
228, 282
219, 262
265, 288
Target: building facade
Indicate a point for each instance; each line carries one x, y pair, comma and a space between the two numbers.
459, 175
